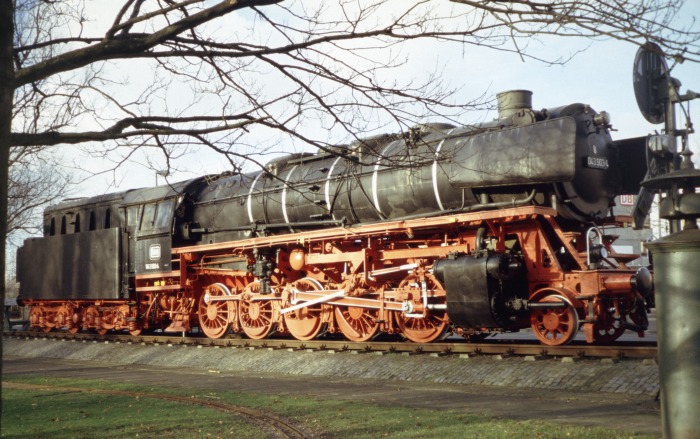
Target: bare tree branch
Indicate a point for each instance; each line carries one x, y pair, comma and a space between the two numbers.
142, 126
120, 47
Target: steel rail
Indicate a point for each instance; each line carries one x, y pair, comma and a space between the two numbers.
500, 347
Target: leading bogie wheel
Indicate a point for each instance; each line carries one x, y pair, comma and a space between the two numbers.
554, 326
608, 327
216, 317
608, 332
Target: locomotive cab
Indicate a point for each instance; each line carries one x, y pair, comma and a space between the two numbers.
150, 217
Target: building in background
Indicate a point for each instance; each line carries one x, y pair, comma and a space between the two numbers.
633, 241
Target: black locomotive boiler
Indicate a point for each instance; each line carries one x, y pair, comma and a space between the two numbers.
492, 227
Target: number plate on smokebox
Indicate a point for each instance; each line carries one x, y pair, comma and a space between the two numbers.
597, 162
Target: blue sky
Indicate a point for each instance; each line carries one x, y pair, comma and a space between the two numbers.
600, 76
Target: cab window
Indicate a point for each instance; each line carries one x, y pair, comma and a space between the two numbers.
164, 215
132, 216
149, 217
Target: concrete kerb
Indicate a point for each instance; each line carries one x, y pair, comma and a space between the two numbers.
589, 375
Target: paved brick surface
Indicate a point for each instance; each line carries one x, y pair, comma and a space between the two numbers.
630, 377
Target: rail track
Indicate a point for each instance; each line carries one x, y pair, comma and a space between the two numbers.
620, 350
276, 426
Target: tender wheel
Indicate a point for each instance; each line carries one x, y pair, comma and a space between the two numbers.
35, 316
49, 321
104, 322
305, 323
75, 320
134, 325
63, 317
258, 318
357, 324
68, 318
92, 316
433, 326
37, 319
133, 322
215, 318
555, 326
107, 322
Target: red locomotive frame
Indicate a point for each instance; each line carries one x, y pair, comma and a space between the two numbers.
372, 278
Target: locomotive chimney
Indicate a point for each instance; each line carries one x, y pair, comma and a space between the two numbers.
513, 101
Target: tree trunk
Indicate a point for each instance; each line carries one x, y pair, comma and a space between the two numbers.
7, 88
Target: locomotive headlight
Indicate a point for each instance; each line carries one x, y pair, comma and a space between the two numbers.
603, 252
643, 282
602, 119
598, 253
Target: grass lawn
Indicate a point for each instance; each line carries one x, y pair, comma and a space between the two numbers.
61, 409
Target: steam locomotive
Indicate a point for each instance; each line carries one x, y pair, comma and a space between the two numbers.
471, 230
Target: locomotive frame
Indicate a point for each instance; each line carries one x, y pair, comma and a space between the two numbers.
373, 278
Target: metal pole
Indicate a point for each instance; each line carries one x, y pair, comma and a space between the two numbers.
677, 280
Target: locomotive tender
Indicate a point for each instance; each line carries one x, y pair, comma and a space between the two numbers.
499, 226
